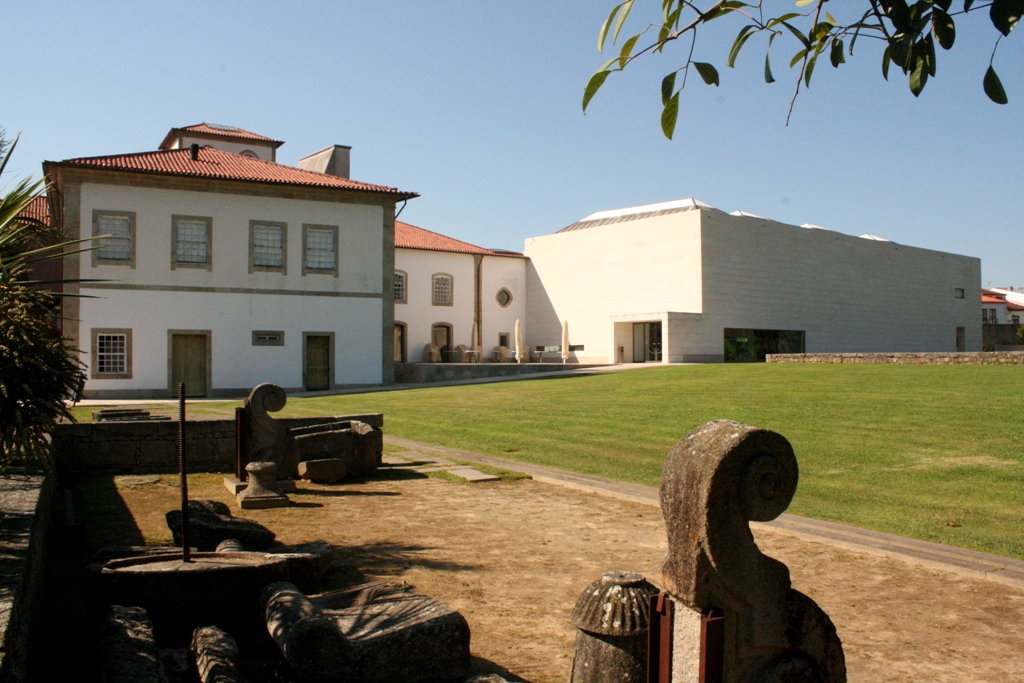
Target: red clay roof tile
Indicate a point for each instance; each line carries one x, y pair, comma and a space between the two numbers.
227, 131
217, 164
410, 237
39, 209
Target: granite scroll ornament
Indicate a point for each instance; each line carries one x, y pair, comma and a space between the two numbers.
267, 440
722, 476
611, 643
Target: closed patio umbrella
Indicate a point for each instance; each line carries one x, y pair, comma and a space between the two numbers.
565, 341
519, 342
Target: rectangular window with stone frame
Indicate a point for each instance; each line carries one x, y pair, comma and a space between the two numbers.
191, 241
400, 287
320, 250
268, 247
111, 354
116, 230
442, 290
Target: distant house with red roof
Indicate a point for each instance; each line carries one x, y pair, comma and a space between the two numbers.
220, 268
997, 309
450, 293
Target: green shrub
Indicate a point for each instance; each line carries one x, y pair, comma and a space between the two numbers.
38, 368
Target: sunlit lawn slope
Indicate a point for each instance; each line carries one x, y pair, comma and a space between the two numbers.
932, 452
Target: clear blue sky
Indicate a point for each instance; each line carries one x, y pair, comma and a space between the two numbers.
476, 106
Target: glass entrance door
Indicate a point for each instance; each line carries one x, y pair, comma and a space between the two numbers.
646, 342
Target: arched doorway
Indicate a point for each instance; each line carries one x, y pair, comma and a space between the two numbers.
441, 337
401, 354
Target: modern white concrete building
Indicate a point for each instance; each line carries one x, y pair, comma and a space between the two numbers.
443, 287
222, 269
682, 281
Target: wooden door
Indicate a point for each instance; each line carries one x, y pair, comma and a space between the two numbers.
318, 362
188, 363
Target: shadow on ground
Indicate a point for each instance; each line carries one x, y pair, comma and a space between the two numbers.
387, 559
99, 506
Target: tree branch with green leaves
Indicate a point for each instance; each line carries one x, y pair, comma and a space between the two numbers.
908, 31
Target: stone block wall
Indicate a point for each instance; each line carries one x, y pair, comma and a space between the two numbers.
152, 447
26, 505
972, 358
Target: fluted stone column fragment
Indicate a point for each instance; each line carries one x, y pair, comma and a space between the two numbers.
719, 478
612, 618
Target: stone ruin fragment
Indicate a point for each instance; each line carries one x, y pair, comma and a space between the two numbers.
327, 452
374, 632
611, 616
729, 613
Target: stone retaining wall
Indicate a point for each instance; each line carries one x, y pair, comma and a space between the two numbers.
26, 504
982, 358
151, 447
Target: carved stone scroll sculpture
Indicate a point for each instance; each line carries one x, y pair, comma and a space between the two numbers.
267, 440
722, 476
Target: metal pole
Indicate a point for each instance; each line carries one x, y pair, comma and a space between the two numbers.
240, 444
181, 474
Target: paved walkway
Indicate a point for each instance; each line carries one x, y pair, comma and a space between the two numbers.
934, 555
570, 371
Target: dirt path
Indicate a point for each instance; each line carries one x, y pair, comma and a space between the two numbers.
513, 556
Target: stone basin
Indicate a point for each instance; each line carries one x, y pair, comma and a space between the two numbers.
213, 589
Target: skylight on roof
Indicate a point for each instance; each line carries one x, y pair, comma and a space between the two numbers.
227, 129
690, 203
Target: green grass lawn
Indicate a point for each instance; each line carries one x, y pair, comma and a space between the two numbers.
932, 452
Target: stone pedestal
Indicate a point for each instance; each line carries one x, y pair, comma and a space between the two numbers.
261, 492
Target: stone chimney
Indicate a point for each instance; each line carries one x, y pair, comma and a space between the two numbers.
333, 161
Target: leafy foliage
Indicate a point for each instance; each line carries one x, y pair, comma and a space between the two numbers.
38, 369
909, 32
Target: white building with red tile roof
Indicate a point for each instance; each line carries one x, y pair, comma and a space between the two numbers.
445, 289
223, 269
1000, 307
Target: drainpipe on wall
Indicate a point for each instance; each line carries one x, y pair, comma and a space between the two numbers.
478, 268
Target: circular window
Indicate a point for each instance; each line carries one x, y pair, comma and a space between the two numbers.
504, 297
249, 153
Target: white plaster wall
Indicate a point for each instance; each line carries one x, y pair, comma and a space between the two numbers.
360, 239
498, 272
211, 299
587, 276
849, 294
419, 314
263, 151
231, 318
